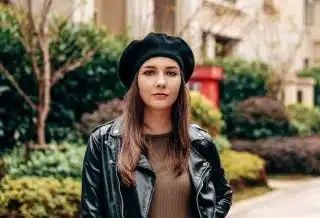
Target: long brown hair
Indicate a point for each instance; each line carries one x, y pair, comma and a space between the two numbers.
133, 140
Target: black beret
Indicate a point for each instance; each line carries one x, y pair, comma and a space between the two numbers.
155, 45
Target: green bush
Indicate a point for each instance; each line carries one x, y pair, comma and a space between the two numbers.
205, 114
58, 164
242, 79
74, 95
222, 143
39, 197
304, 120
243, 168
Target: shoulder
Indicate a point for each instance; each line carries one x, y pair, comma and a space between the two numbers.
201, 139
102, 130
197, 133
97, 137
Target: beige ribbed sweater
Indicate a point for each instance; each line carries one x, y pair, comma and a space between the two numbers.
171, 198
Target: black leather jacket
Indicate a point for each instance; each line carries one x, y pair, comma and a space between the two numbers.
104, 196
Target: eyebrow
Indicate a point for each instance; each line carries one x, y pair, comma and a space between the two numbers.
151, 67
170, 67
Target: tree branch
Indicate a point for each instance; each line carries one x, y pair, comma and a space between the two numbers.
32, 26
17, 87
60, 73
44, 16
187, 24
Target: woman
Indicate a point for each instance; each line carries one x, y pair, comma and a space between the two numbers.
150, 162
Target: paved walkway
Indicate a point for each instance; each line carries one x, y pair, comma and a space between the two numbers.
292, 199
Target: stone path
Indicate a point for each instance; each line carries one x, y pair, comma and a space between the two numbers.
292, 199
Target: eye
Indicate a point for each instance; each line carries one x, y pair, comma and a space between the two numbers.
172, 73
149, 72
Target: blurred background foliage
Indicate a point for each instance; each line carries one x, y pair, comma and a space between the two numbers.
74, 95
39, 197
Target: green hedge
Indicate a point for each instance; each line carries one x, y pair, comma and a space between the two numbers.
243, 168
76, 94
39, 197
242, 79
205, 114
304, 120
58, 164
222, 143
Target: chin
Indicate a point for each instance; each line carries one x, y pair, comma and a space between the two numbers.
158, 105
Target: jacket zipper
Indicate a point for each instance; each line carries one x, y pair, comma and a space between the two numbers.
122, 213
122, 216
201, 185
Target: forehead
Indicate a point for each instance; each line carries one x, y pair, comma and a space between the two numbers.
160, 62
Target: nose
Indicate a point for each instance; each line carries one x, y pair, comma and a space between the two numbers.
161, 82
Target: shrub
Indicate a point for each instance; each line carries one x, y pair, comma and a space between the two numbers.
242, 79
39, 197
285, 154
74, 95
204, 113
243, 168
259, 117
58, 164
105, 112
304, 120
222, 143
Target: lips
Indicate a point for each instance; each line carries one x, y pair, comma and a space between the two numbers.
160, 94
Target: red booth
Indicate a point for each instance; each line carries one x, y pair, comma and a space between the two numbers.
205, 79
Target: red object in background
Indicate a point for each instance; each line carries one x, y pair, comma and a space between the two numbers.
206, 78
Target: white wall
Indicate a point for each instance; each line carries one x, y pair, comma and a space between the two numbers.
84, 10
274, 41
140, 17
305, 85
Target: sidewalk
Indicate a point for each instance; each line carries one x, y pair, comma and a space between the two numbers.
292, 199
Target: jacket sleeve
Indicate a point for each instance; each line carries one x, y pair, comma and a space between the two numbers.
223, 189
91, 180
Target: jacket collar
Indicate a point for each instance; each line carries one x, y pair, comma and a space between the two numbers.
195, 132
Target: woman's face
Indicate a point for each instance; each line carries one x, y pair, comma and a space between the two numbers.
159, 81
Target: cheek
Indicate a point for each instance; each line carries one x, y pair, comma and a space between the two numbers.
143, 89
176, 88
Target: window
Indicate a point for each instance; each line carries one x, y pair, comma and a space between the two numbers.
306, 63
300, 96
224, 46
316, 53
308, 12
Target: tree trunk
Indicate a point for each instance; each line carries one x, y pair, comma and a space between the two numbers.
44, 96
41, 127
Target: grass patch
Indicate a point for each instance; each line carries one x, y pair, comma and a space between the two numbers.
250, 192
290, 177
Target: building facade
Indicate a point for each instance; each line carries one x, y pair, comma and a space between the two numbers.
283, 33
